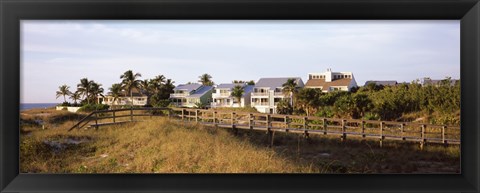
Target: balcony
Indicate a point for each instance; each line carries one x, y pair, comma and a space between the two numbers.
260, 104
179, 95
259, 93
280, 94
219, 95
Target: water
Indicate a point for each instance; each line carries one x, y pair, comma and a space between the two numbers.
26, 106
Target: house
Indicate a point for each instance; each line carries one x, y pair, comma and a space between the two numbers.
331, 81
139, 99
428, 81
190, 95
222, 95
267, 92
382, 82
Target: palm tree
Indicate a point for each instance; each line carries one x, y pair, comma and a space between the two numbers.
63, 91
290, 88
84, 87
206, 80
130, 81
96, 90
75, 96
115, 91
237, 92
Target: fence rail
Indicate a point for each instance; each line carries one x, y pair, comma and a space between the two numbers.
381, 130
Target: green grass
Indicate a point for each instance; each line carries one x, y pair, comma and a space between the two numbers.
160, 145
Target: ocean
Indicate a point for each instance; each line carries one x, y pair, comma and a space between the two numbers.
26, 106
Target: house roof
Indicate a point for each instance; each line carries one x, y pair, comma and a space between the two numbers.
427, 81
200, 92
382, 82
327, 85
188, 87
229, 85
273, 83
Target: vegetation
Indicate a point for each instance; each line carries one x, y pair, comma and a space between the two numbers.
93, 107
206, 80
161, 145
63, 91
251, 82
130, 81
436, 104
237, 93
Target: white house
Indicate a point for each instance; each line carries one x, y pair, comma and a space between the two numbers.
124, 99
267, 92
222, 95
331, 81
189, 95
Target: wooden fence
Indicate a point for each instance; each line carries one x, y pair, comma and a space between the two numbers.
306, 125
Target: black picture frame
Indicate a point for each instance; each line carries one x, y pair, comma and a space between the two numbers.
12, 11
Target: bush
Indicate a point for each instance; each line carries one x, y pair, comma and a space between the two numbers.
65, 104
161, 103
93, 107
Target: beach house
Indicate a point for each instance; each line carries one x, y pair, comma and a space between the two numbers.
267, 92
222, 95
331, 81
191, 95
124, 98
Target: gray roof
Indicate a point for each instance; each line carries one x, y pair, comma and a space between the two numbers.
188, 87
437, 82
200, 92
247, 89
273, 83
229, 85
382, 82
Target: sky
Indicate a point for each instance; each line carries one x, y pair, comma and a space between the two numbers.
57, 52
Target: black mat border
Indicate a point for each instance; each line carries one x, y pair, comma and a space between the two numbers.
12, 11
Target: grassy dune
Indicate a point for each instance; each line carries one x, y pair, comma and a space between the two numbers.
159, 145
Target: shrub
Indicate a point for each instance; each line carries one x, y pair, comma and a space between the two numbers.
93, 107
65, 104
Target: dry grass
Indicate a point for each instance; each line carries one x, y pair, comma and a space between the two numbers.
159, 145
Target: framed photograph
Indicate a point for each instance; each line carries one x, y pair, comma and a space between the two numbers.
241, 96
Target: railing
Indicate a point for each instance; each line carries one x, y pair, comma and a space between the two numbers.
98, 116
259, 93
279, 94
381, 130
260, 104
179, 94
306, 125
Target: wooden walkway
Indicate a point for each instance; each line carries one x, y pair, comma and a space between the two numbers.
271, 123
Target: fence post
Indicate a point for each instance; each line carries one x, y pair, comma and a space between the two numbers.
196, 115
443, 134
96, 120
131, 113
183, 114
233, 124
215, 118
363, 128
324, 126
250, 121
422, 143
402, 132
269, 131
381, 134
305, 126
344, 130
113, 116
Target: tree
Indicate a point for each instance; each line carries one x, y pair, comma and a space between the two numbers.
75, 96
85, 87
308, 99
237, 93
115, 91
362, 103
206, 80
290, 88
63, 91
251, 82
284, 107
148, 88
96, 90
130, 81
